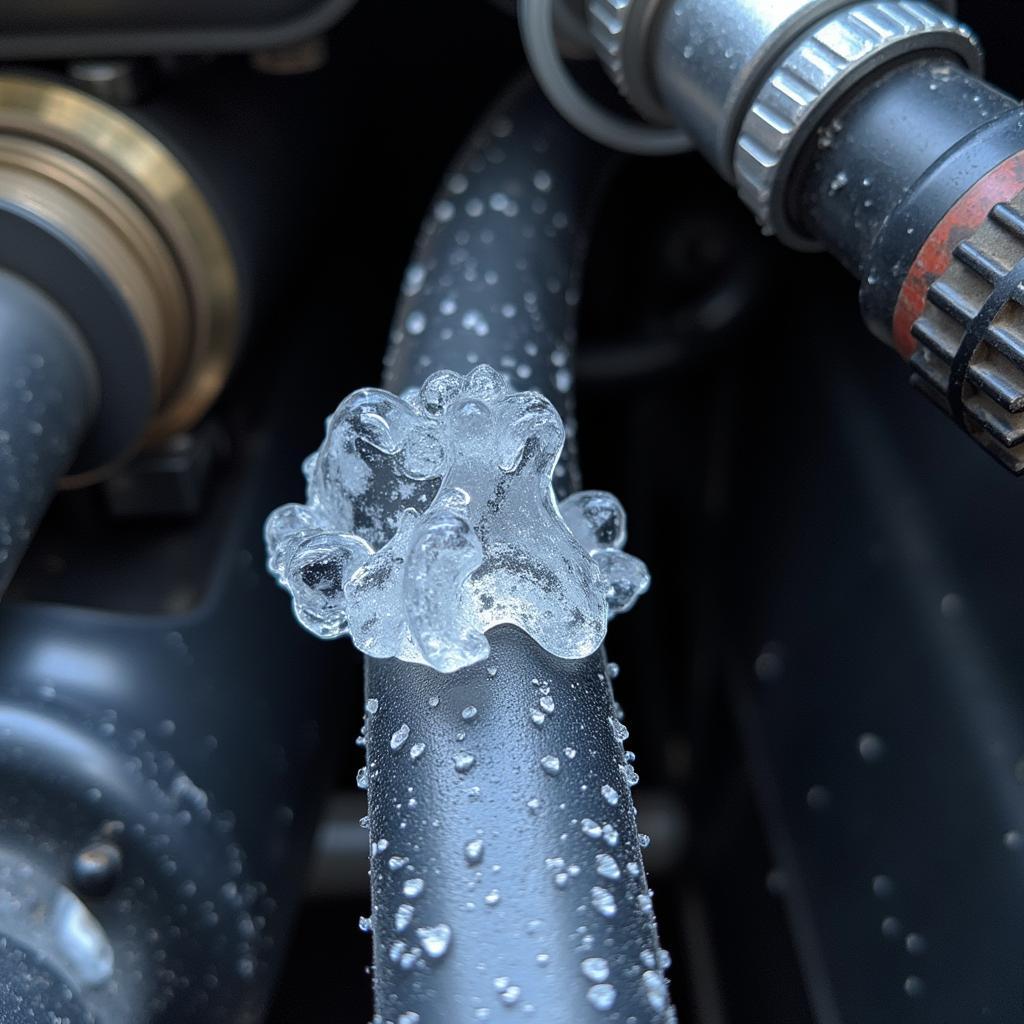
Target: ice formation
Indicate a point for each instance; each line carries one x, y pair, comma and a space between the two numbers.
431, 518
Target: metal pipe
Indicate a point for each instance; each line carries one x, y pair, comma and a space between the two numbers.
48, 394
506, 866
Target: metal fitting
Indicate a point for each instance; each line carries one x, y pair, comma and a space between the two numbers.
810, 80
697, 64
710, 58
99, 214
970, 332
620, 31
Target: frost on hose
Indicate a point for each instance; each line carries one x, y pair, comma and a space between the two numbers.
431, 518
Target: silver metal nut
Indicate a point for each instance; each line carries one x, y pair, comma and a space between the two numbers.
619, 32
805, 85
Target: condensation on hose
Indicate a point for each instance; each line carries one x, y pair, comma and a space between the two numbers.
506, 865
495, 274
48, 394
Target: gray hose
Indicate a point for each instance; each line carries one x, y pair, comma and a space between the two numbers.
496, 271
48, 394
506, 865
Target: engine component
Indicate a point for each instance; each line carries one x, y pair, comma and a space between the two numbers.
163, 767
32, 32
140, 676
864, 129
106, 222
48, 393
147, 271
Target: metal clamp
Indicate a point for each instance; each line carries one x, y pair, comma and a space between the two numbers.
808, 81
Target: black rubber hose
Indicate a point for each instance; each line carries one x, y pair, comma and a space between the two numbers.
495, 274
506, 865
48, 392
879, 145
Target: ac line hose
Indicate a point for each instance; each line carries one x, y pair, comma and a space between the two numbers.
506, 866
48, 396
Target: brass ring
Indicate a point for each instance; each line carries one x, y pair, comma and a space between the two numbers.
141, 206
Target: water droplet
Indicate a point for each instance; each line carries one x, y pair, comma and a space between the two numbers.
371, 706
412, 887
602, 901
913, 986
397, 863
1013, 840
474, 851
607, 867
403, 915
610, 793
537, 717
464, 762
493, 898
365, 924
435, 940
915, 943
768, 666
363, 778
818, 798
547, 704
551, 764
469, 713
601, 997
399, 736
870, 746
838, 183
655, 990
882, 887
590, 828
416, 750
619, 731
595, 968
510, 996
629, 775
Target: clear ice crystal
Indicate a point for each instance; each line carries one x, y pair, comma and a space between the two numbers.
431, 517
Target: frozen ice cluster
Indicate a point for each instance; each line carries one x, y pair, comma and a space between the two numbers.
431, 518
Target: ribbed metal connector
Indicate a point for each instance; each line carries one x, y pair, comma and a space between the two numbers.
607, 20
970, 359
805, 85
619, 33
